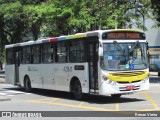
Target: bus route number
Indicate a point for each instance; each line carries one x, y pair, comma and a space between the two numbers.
67, 69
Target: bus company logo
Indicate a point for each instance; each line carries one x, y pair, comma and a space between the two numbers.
32, 69
67, 69
6, 114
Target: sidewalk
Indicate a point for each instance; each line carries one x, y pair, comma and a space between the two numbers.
2, 81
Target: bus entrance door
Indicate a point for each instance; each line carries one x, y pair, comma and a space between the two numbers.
93, 64
17, 64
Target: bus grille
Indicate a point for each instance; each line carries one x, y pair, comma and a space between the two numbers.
128, 77
128, 74
123, 82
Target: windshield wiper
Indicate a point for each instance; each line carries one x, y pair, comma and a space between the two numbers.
137, 43
118, 46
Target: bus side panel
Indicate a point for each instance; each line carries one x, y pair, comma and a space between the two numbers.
36, 75
23, 70
64, 74
47, 72
61, 78
82, 75
33, 71
10, 74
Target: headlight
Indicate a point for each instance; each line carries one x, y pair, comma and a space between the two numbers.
113, 83
104, 78
108, 81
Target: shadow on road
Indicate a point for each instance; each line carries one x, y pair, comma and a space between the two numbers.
92, 99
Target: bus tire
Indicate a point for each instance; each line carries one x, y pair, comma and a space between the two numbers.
77, 90
27, 84
116, 96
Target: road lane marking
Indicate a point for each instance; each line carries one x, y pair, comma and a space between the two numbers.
117, 106
54, 99
151, 100
70, 105
81, 103
82, 106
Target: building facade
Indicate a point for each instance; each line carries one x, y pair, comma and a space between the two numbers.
153, 38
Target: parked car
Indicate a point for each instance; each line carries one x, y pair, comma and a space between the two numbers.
153, 67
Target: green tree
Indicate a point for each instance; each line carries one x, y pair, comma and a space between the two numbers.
60, 17
13, 21
48, 18
156, 9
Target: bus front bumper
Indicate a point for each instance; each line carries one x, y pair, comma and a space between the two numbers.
119, 88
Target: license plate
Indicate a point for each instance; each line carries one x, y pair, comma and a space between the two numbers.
130, 87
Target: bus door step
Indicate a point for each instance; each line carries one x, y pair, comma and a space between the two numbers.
17, 84
92, 91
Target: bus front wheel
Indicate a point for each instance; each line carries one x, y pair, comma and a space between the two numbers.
77, 90
27, 84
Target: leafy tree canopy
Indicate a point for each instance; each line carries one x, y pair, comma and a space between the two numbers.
31, 19
156, 10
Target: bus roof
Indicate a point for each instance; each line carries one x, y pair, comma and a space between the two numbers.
67, 37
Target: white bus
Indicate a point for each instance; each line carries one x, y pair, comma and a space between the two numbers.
103, 62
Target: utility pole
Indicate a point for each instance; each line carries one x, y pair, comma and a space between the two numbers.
138, 10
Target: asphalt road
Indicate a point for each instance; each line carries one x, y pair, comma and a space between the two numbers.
15, 99
46, 100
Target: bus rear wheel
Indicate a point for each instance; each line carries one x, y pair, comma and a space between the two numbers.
77, 90
27, 84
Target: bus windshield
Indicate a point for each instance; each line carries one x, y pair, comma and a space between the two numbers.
124, 56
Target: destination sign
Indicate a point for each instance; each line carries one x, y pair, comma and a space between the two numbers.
123, 35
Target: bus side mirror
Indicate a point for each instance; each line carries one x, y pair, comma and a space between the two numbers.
100, 49
148, 55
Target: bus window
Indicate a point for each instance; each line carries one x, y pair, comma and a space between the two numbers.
25, 58
36, 54
76, 51
9, 56
61, 52
48, 53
